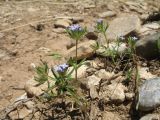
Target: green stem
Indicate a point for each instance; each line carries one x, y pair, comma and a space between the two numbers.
107, 41
76, 59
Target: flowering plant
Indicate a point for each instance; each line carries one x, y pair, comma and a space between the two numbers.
101, 27
76, 32
131, 45
61, 80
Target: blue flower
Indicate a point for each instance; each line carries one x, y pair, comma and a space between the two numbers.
99, 21
122, 38
75, 27
134, 38
61, 68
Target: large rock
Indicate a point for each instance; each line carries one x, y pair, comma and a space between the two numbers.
147, 47
84, 50
151, 117
149, 95
122, 26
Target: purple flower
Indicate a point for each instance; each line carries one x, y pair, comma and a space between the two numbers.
122, 38
75, 27
61, 68
134, 38
99, 21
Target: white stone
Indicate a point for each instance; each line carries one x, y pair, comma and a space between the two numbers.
44, 49
103, 74
62, 23
22, 97
81, 71
145, 74
112, 47
30, 105
93, 80
118, 92
114, 92
151, 117
33, 88
107, 14
93, 92
148, 28
152, 25
129, 96
84, 50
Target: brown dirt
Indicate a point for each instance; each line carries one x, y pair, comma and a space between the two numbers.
22, 45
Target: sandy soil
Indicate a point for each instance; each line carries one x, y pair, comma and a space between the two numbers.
21, 46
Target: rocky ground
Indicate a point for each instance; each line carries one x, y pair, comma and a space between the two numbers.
31, 30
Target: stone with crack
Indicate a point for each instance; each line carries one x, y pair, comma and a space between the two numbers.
84, 50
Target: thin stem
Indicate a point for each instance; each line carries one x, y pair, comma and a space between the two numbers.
107, 41
136, 74
76, 59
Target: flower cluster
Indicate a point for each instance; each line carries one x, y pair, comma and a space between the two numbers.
75, 31
99, 21
75, 27
101, 26
61, 68
121, 38
134, 38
